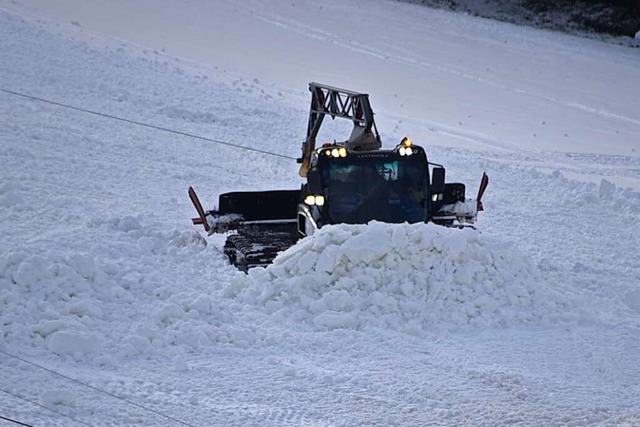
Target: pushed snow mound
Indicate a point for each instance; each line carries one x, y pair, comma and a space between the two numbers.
410, 277
126, 296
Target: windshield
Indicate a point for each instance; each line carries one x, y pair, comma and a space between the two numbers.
375, 189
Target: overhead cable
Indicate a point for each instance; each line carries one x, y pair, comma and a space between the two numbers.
20, 423
147, 125
41, 406
96, 389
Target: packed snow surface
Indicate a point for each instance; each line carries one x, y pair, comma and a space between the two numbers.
115, 310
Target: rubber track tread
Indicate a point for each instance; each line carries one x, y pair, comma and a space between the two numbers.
258, 245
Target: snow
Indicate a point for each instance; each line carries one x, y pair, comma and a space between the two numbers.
403, 277
532, 319
433, 59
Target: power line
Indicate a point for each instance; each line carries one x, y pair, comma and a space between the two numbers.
20, 423
97, 389
147, 125
42, 406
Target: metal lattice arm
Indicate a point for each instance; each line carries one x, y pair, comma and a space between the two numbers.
345, 104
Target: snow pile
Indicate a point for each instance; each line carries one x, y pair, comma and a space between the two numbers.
603, 194
406, 277
114, 300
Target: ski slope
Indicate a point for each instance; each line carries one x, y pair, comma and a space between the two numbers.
533, 319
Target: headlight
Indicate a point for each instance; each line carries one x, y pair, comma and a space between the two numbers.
314, 200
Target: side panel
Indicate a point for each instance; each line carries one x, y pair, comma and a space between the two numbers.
454, 192
260, 205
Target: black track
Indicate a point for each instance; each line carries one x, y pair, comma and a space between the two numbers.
257, 245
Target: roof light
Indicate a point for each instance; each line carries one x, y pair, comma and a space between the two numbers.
406, 142
342, 152
405, 151
319, 200
335, 152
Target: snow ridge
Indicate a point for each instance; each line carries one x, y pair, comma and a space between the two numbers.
408, 277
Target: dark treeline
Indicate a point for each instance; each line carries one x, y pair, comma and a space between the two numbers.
617, 17
614, 17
